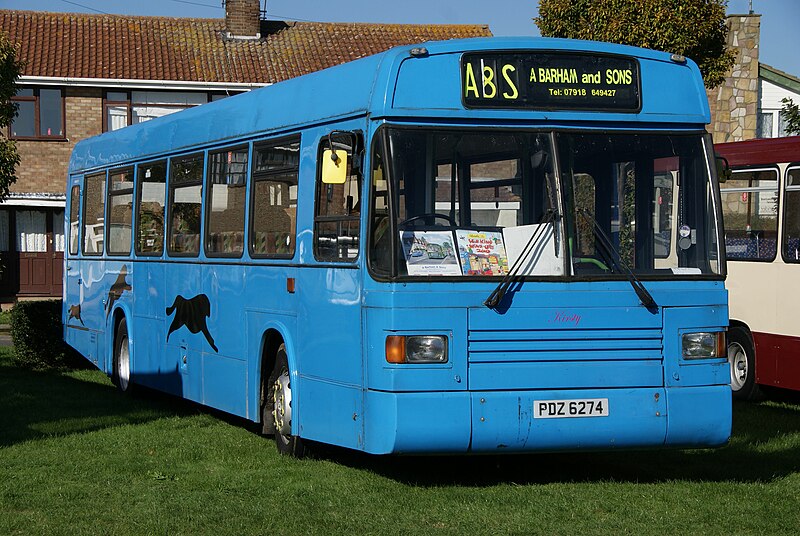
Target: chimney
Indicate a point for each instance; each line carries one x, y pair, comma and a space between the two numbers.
242, 19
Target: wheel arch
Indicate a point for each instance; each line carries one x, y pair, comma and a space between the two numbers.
114, 318
272, 336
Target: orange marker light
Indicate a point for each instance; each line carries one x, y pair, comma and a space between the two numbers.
722, 344
395, 349
290, 285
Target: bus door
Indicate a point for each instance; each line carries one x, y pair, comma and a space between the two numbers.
329, 354
75, 330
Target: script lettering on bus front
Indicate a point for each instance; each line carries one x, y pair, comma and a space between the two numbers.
550, 81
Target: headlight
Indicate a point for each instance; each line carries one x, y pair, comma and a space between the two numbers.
703, 345
416, 349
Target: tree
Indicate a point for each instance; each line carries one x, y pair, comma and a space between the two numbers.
791, 115
10, 69
693, 28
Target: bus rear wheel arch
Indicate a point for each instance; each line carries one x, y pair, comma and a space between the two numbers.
277, 403
121, 363
742, 362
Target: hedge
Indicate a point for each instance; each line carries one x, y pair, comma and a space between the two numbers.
37, 333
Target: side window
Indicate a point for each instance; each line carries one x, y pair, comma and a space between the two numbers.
338, 205
791, 216
227, 173
585, 202
150, 197
94, 213
750, 213
494, 193
185, 202
663, 189
120, 212
274, 203
74, 209
380, 228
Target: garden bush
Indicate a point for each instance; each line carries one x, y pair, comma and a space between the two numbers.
37, 332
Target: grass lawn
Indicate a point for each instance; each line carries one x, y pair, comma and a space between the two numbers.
76, 457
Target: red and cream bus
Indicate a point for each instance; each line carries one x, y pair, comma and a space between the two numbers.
761, 214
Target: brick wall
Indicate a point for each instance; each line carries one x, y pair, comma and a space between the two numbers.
43, 166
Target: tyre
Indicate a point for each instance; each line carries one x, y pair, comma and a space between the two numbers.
742, 361
121, 375
280, 393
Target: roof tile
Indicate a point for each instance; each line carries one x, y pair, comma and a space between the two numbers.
159, 48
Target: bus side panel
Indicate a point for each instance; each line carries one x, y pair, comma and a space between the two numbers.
94, 289
182, 349
777, 360
224, 366
117, 300
329, 357
148, 330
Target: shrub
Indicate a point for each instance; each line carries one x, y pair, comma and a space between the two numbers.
37, 332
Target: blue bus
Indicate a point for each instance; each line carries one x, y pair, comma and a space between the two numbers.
262, 254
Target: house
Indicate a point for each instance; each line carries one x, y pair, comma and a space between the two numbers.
747, 104
86, 74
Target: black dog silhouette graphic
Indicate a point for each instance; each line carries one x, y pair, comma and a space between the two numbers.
119, 286
75, 312
191, 313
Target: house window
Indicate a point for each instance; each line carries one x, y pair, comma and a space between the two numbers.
117, 106
40, 114
764, 127
123, 108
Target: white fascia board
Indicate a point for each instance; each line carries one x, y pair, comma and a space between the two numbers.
125, 83
44, 203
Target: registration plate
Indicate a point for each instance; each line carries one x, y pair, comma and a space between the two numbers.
585, 407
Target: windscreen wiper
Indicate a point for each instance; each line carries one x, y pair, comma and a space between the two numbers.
512, 275
621, 266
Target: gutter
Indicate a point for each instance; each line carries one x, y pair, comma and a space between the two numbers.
128, 83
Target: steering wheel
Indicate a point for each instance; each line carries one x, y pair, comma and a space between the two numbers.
429, 216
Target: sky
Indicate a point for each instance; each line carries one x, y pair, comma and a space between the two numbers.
779, 18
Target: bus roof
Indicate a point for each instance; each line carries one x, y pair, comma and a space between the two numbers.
760, 152
420, 81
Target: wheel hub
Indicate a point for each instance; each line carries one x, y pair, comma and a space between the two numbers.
282, 404
738, 360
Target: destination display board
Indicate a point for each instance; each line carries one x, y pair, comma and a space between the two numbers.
550, 81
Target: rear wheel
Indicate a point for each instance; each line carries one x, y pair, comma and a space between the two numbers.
742, 361
281, 396
121, 375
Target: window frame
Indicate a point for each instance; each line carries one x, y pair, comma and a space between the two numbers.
74, 206
113, 103
778, 209
138, 189
85, 196
207, 193
357, 137
170, 201
264, 176
786, 189
36, 99
110, 194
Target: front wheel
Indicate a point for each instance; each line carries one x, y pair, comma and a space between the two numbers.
121, 375
287, 443
742, 361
